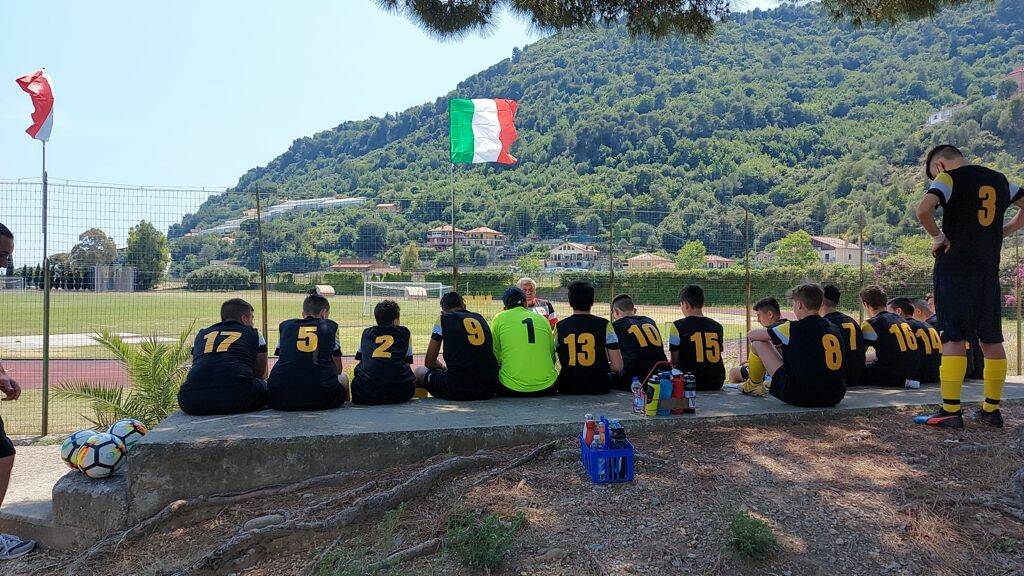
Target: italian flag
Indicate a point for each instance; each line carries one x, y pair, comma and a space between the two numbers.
482, 130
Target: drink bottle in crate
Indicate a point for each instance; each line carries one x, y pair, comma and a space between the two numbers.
690, 392
664, 392
677, 392
638, 396
652, 391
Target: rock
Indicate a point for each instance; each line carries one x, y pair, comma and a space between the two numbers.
1017, 485
263, 522
594, 547
551, 555
840, 541
655, 501
677, 563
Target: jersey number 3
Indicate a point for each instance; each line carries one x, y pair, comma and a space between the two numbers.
987, 212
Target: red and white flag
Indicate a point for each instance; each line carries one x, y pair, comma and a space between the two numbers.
40, 89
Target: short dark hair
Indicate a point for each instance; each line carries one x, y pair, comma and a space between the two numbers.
623, 303
902, 303
947, 151
234, 309
314, 304
452, 301
581, 295
873, 296
922, 305
768, 303
831, 294
5, 232
692, 295
810, 295
386, 312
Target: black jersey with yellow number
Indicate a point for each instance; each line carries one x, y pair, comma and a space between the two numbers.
929, 348
812, 353
698, 342
305, 376
384, 373
895, 344
223, 356
468, 348
853, 346
974, 200
583, 344
641, 345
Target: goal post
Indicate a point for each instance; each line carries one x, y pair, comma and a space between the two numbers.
374, 292
12, 283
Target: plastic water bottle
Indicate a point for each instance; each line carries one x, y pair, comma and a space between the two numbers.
912, 384
638, 396
664, 393
652, 392
602, 462
677, 392
690, 392
588, 429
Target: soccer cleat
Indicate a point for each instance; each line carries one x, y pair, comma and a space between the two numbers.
12, 547
993, 418
941, 419
753, 388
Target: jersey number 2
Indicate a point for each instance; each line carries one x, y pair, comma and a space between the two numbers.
383, 346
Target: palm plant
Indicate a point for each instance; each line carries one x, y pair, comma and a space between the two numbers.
156, 370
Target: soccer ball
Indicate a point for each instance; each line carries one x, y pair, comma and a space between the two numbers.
101, 455
69, 449
129, 431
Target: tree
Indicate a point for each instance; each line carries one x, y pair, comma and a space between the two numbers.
147, 252
94, 248
691, 255
529, 264
794, 249
370, 237
1006, 90
410, 258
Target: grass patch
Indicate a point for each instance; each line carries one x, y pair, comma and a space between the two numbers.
751, 537
481, 541
358, 558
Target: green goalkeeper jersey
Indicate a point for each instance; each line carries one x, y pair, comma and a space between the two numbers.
525, 348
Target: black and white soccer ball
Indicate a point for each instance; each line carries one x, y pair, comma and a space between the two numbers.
128, 430
101, 455
72, 444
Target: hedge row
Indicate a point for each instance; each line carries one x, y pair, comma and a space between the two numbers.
217, 277
348, 283
476, 283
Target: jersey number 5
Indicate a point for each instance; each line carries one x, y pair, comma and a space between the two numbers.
229, 339
307, 340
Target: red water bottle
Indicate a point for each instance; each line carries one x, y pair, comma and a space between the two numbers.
588, 429
677, 391
690, 392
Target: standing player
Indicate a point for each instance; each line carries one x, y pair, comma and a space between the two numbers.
524, 347
639, 340
538, 305
308, 374
11, 547
929, 345
469, 370
896, 355
384, 374
695, 341
588, 348
852, 337
974, 200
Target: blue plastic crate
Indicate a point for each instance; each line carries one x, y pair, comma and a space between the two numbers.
617, 463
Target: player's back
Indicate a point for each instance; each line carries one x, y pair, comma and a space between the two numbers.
223, 357
641, 345
468, 347
305, 376
698, 341
895, 345
525, 348
812, 356
853, 346
384, 373
583, 342
929, 347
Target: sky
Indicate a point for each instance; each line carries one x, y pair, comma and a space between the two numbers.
193, 94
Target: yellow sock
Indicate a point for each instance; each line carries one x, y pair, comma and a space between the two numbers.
994, 375
951, 380
755, 368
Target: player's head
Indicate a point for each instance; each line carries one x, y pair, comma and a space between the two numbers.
6, 247
830, 297
386, 313
767, 311
529, 287
873, 298
901, 305
922, 310
581, 296
691, 298
806, 299
452, 302
316, 306
513, 298
622, 305
941, 158
237, 310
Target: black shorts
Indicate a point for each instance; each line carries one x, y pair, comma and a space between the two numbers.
374, 393
442, 384
804, 394
6, 446
885, 376
969, 305
215, 401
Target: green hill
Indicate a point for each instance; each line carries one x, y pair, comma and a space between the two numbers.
810, 124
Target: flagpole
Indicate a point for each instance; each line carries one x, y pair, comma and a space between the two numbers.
263, 262
46, 310
455, 255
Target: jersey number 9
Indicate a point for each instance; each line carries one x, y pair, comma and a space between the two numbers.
474, 331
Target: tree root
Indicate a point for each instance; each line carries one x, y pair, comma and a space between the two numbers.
432, 546
531, 455
998, 505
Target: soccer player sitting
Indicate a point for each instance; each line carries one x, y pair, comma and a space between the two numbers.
308, 374
768, 315
929, 346
639, 341
384, 374
924, 311
807, 365
894, 342
853, 339
695, 341
538, 305
229, 366
524, 347
469, 370
588, 348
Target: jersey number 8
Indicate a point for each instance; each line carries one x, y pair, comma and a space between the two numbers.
833, 352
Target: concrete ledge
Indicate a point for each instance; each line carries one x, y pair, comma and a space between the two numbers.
101, 506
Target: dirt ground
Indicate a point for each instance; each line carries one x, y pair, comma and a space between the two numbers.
857, 494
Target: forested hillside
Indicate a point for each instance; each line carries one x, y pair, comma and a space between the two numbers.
811, 124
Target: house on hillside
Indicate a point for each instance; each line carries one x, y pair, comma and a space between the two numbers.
838, 251
1018, 76
572, 255
714, 261
440, 238
649, 261
484, 236
360, 265
389, 207
944, 114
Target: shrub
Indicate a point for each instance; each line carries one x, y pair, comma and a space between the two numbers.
491, 283
217, 277
751, 537
481, 541
344, 282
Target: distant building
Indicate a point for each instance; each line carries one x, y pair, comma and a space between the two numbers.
836, 250
944, 114
572, 255
441, 237
388, 207
361, 265
649, 261
484, 236
1018, 76
716, 261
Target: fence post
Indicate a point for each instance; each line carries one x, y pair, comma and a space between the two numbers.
455, 254
746, 273
45, 426
1016, 293
611, 257
860, 249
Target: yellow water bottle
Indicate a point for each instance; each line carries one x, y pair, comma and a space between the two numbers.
652, 390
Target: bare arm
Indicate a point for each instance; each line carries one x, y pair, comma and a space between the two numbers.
259, 366
339, 364
615, 360
1018, 219
759, 335
431, 359
926, 215
9, 387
